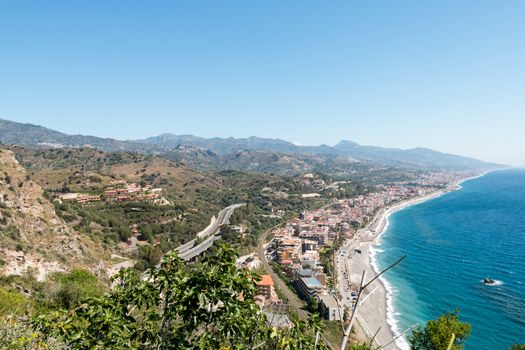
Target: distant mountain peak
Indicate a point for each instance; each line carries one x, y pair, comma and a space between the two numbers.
252, 146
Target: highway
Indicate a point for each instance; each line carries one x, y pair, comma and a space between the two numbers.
189, 250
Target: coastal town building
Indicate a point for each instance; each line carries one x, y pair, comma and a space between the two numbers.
86, 198
265, 288
309, 286
297, 246
329, 307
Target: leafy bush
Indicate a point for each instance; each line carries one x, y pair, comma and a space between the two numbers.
68, 290
437, 333
209, 305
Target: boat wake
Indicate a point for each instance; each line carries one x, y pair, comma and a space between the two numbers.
493, 284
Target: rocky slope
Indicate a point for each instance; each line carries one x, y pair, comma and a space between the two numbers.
32, 236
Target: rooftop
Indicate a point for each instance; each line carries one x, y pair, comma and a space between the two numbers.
311, 282
329, 301
305, 273
265, 281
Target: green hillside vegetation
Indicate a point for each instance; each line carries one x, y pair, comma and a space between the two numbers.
193, 198
250, 154
206, 305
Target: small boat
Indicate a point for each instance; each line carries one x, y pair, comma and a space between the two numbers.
487, 280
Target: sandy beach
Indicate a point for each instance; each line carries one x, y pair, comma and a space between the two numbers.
376, 313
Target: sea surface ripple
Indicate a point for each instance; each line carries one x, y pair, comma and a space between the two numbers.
452, 243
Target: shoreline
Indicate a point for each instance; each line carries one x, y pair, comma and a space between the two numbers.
374, 230
386, 290
376, 311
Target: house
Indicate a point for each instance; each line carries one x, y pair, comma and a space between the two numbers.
123, 198
238, 229
330, 308
265, 287
289, 248
309, 286
110, 192
68, 197
86, 198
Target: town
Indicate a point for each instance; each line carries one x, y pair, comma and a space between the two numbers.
303, 250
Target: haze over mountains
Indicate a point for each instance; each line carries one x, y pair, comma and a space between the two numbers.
252, 153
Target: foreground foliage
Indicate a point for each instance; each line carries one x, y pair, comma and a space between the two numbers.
209, 305
437, 333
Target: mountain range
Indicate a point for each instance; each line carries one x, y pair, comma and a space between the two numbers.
252, 153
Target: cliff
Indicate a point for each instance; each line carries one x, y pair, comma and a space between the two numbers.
32, 236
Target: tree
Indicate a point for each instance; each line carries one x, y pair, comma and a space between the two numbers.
312, 304
517, 347
17, 335
437, 333
67, 290
151, 254
146, 234
13, 303
208, 305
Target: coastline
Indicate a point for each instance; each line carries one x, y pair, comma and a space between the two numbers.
379, 311
376, 311
386, 290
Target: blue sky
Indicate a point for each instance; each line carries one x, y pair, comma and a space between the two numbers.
448, 75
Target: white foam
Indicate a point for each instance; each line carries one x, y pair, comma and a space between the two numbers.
391, 320
391, 314
496, 283
460, 183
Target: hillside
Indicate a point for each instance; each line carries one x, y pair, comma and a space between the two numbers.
420, 158
249, 154
253, 151
38, 136
33, 235
189, 198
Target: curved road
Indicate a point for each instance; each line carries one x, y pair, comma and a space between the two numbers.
189, 250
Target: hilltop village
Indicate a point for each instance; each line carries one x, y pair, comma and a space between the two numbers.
118, 191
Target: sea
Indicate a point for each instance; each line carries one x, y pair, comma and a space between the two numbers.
452, 243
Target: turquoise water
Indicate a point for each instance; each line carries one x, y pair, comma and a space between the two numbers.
452, 243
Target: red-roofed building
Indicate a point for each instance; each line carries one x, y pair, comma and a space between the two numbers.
265, 288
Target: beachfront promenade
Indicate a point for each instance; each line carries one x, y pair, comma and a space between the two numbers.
353, 258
